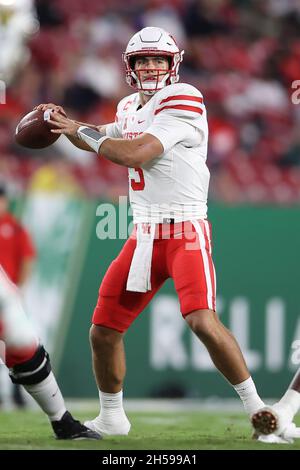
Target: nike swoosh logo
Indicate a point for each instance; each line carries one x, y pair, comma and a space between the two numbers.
140, 122
54, 393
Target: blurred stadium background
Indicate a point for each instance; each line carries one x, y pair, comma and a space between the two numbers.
244, 56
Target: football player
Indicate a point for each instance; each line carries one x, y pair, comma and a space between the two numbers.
161, 135
29, 364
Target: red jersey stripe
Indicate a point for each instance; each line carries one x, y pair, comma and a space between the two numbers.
182, 97
181, 106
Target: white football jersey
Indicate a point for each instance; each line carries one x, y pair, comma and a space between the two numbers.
174, 185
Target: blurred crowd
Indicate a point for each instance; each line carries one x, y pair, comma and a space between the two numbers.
243, 55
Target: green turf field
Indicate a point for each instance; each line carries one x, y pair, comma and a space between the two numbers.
180, 430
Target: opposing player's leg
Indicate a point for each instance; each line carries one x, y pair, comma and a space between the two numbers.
278, 418
194, 276
115, 311
29, 364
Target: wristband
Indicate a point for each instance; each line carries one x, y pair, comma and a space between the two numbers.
93, 138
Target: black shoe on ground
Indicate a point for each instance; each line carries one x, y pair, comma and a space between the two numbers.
69, 428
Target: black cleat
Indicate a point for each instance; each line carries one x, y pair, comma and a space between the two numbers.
69, 428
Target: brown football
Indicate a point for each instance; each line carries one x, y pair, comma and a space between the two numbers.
34, 131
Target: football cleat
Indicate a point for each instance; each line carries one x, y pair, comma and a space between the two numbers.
273, 439
69, 428
119, 428
272, 419
290, 433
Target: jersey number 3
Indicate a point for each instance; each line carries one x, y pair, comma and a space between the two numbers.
138, 180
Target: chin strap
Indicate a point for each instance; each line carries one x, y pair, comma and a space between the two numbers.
91, 137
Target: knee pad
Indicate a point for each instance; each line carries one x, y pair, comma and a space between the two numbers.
32, 371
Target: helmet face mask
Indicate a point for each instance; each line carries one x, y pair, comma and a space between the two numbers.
155, 42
